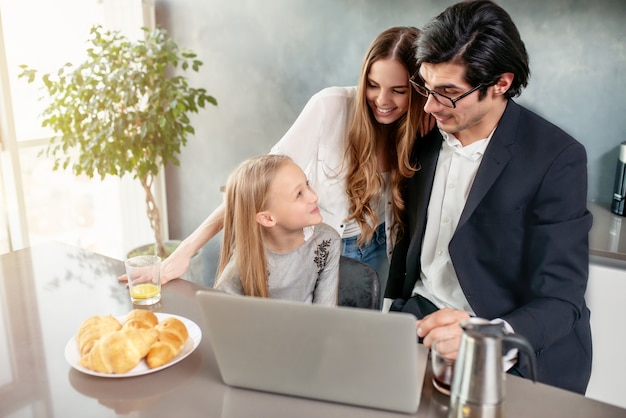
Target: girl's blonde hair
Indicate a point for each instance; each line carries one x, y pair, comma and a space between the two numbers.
246, 195
363, 180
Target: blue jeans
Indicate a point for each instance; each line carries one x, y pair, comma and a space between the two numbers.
373, 253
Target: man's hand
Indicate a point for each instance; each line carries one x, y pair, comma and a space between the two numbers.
441, 324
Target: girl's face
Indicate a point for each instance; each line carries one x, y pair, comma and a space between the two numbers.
291, 201
387, 90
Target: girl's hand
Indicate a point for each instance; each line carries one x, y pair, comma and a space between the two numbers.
173, 267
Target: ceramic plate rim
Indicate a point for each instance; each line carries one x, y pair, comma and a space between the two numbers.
72, 354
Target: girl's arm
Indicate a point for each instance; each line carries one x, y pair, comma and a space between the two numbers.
178, 262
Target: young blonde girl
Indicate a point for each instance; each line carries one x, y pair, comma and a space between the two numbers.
275, 244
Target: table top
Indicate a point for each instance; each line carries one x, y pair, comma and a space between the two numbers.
47, 291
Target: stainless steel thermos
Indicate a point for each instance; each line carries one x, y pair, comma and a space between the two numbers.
618, 205
478, 389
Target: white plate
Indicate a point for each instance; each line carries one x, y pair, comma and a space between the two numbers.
72, 354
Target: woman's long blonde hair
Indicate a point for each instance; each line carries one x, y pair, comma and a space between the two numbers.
364, 183
246, 195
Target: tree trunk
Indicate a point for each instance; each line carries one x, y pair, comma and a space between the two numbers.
154, 215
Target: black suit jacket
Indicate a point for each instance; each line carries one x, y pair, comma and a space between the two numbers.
521, 249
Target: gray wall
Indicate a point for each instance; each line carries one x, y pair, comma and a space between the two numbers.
264, 59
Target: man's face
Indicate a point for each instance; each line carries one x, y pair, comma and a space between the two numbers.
472, 119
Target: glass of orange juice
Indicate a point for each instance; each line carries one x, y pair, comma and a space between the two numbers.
144, 279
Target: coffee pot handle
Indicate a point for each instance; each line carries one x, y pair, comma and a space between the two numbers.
517, 341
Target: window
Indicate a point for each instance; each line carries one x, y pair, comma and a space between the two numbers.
39, 204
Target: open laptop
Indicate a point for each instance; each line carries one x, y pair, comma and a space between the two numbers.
347, 355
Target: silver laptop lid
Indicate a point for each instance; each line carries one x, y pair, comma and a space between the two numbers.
348, 355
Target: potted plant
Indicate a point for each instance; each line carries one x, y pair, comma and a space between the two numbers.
124, 110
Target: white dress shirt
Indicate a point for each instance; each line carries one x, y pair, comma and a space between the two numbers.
454, 175
456, 169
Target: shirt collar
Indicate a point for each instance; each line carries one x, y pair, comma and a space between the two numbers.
473, 151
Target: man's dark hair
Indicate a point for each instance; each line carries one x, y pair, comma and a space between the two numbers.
480, 36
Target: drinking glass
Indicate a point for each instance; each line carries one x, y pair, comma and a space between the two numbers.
144, 279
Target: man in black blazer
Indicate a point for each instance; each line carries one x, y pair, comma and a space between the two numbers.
496, 219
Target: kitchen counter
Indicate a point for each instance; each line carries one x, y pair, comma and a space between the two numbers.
604, 297
607, 239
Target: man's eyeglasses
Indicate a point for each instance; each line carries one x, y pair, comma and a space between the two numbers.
441, 99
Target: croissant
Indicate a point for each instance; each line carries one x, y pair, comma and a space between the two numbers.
172, 337
120, 351
140, 318
94, 328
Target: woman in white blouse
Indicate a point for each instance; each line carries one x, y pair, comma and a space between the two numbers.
354, 145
